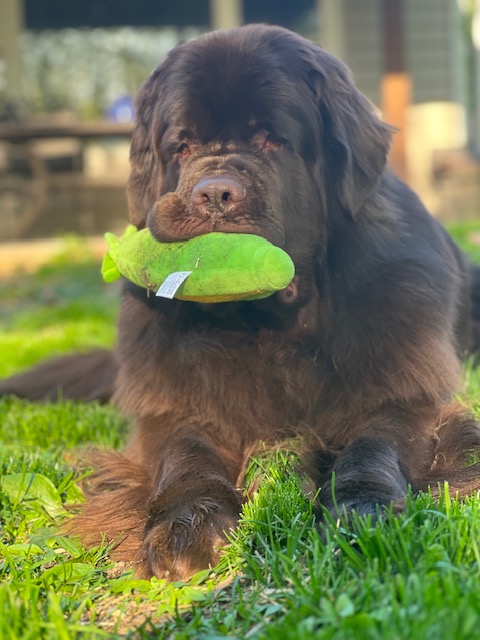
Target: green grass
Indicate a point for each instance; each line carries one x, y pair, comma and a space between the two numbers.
64, 307
412, 576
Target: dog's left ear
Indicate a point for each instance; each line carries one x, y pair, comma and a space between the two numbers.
356, 141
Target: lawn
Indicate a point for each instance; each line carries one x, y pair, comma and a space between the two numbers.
412, 576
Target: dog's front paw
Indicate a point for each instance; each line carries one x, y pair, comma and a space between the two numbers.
363, 498
186, 528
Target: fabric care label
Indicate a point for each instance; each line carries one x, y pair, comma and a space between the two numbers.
171, 284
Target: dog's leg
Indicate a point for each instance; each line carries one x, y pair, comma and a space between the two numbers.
366, 474
165, 504
194, 504
79, 376
396, 452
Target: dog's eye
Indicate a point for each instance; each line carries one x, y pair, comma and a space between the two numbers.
267, 141
271, 144
183, 151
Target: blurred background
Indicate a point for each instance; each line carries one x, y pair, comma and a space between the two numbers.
69, 71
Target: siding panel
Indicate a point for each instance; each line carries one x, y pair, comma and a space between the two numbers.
431, 48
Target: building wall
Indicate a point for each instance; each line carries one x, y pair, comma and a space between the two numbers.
432, 48
434, 58
434, 52
364, 44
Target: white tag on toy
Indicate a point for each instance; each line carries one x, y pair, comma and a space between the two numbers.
172, 283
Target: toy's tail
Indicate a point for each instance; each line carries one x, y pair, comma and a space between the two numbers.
110, 270
81, 376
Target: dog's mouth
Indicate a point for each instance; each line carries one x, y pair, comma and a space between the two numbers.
189, 229
170, 220
289, 295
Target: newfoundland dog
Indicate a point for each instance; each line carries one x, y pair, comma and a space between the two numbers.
258, 130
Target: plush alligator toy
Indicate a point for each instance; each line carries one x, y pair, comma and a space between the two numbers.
215, 267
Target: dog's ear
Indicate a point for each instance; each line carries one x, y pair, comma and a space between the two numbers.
145, 169
356, 141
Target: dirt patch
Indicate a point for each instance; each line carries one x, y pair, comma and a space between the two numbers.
30, 255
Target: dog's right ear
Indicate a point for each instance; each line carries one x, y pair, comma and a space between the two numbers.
146, 170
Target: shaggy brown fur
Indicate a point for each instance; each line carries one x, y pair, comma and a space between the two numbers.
260, 131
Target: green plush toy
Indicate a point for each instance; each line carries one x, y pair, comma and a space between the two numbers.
215, 267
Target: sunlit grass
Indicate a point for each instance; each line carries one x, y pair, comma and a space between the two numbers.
415, 575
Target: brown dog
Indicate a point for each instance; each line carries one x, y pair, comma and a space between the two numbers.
260, 131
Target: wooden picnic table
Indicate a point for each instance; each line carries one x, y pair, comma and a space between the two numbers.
27, 131
31, 194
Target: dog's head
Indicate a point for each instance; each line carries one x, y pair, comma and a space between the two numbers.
256, 130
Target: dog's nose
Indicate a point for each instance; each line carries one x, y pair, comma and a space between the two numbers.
218, 196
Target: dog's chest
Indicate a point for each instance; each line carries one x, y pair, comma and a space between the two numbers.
262, 384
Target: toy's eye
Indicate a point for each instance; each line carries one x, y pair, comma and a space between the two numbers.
183, 151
